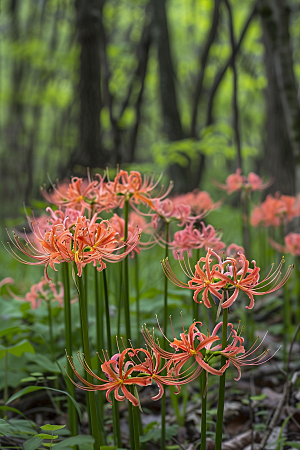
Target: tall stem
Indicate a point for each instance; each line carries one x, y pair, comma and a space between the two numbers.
203, 414
116, 421
221, 399
50, 325
72, 417
92, 410
5, 394
163, 400
100, 341
137, 289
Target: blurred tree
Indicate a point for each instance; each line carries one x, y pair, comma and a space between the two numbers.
283, 109
147, 84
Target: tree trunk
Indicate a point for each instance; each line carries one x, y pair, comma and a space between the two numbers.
171, 119
88, 26
283, 112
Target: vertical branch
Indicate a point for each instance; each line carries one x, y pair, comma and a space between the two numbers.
203, 62
235, 80
88, 25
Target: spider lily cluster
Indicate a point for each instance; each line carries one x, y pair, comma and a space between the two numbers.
74, 232
191, 353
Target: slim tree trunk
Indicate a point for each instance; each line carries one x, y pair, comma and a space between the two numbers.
171, 118
88, 26
283, 111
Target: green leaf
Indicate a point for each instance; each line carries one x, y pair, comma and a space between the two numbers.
44, 362
29, 389
32, 443
17, 349
46, 436
77, 440
293, 444
49, 427
9, 408
258, 397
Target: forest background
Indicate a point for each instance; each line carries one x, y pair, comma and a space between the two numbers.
193, 89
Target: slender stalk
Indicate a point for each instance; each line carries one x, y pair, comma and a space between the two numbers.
221, 399
119, 296
163, 400
50, 324
116, 421
100, 341
72, 417
137, 300
203, 414
127, 317
92, 410
195, 304
5, 394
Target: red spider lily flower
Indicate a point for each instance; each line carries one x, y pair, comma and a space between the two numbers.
216, 280
78, 194
133, 188
86, 241
291, 244
135, 222
168, 211
275, 211
99, 242
5, 281
238, 182
119, 376
54, 247
247, 280
150, 367
200, 202
204, 279
44, 291
186, 349
191, 238
236, 354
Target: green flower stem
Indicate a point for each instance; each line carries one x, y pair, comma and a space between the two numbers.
137, 290
220, 411
163, 400
195, 304
50, 324
203, 414
92, 410
119, 296
132, 426
72, 415
116, 420
100, 342
5, 393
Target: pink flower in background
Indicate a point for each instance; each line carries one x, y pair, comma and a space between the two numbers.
291, 244
275, 211
192, 238
5, 281
237, 182
200, 202
44, 291
233, 250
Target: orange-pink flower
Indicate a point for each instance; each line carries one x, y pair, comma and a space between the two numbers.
192, 238
85, 241
133, 188
275, 211
238, 182
200, 202
225, 276
291, 244
204, 278
78, 194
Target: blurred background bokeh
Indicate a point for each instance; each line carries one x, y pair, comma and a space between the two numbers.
191, 88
